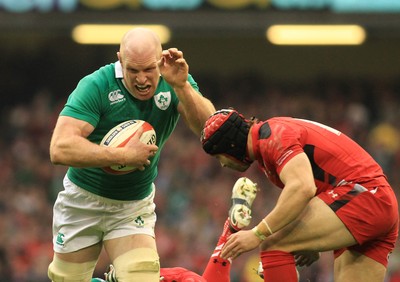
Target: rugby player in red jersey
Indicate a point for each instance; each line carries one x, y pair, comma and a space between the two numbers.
334, 197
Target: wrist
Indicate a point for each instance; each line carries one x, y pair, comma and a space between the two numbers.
265, 224
262, 230
258, 234
181, 87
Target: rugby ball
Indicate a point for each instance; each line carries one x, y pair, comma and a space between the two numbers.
119, 135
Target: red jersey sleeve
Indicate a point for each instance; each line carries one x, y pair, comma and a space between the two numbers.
275, 149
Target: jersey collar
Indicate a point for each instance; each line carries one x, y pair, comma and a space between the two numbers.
118, 70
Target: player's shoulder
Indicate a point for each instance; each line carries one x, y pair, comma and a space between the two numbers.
102, 77
290, 123
105, 72
279, 129
280, 123
193, 83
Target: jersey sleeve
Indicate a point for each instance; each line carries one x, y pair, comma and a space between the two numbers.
84, 102
193, 83
282, 145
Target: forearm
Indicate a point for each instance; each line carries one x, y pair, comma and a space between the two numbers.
299, 189
77, 151
289, 206
194, 107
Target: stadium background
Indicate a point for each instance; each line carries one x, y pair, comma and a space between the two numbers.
353, 88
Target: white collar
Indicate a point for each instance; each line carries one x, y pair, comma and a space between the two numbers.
118, 70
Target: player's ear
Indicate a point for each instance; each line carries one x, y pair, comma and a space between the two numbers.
119, 57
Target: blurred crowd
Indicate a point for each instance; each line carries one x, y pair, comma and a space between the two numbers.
193, 191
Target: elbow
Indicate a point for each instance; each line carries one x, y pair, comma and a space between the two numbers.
309, 191
55, 155
304, 189
55, 159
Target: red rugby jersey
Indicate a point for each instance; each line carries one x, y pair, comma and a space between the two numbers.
334, 157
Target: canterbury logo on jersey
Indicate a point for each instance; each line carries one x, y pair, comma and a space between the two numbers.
116, 96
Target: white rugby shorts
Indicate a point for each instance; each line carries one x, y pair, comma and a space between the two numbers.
82, 219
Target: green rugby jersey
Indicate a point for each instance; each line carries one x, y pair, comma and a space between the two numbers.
102, 100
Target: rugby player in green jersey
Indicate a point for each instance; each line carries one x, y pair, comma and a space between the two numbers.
97, 209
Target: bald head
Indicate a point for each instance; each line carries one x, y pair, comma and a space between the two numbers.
139, 54
140, 41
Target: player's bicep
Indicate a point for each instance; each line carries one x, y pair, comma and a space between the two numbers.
67, 138
297, 172
68, 126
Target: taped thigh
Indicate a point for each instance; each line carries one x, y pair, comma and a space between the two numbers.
63, 271
140, 264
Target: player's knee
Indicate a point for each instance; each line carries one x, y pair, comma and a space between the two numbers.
63, 271
141, 263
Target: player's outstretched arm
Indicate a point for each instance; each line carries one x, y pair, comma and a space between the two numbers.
194, 108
